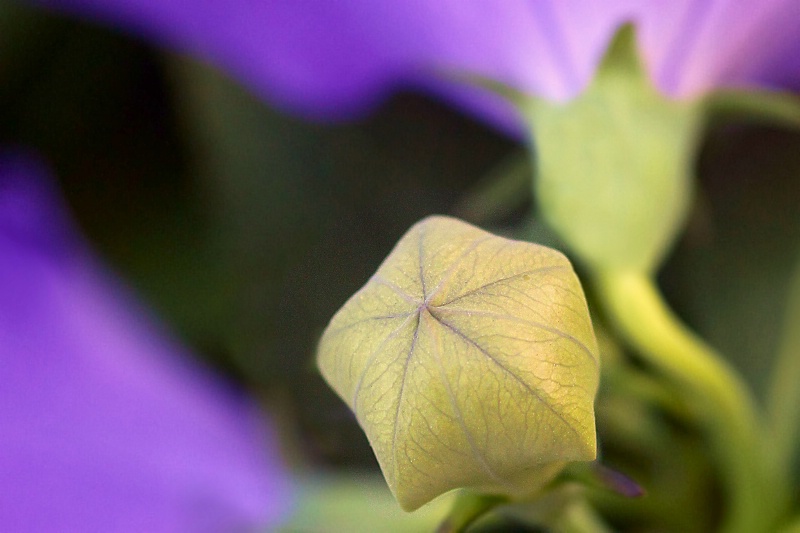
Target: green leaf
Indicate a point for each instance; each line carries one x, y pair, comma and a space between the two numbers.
469, 361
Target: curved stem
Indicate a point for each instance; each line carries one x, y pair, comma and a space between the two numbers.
783, 400
756, 492
580, 517
506, 188
468, 508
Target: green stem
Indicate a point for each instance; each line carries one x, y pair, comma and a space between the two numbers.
724, 405
468, 507
783, 400
646, 388
581, 517
506, 188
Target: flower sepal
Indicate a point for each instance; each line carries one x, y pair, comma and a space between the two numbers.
614, 164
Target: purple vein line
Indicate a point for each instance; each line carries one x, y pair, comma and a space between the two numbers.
403, 387
396, 288
460, 416
450, 271
364, 320
374, 355
503, 367
539, 270
564, 335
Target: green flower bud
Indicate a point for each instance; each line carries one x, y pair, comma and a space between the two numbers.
469, 361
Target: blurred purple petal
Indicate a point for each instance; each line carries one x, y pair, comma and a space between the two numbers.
334, 58
106, 424
694, 46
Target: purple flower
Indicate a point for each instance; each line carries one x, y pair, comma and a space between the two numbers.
106, 424
333, 58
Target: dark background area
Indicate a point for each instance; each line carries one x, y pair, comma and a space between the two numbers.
246, 229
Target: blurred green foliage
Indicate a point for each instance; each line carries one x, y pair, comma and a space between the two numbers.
246, 228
